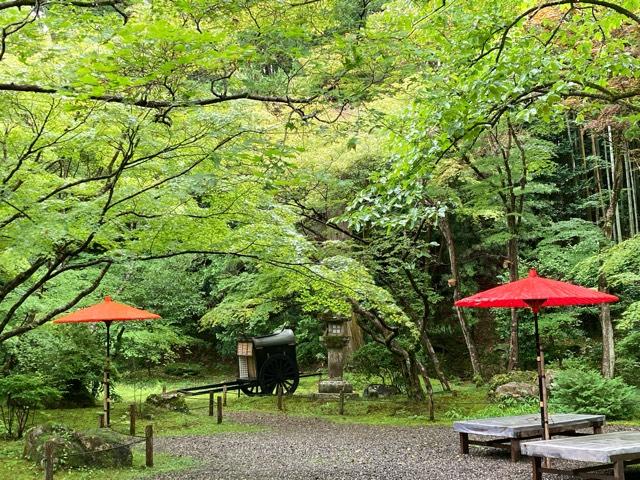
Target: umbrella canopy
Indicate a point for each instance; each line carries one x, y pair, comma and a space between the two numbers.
536, 292
107, 311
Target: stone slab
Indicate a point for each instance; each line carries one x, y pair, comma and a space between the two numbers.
520, 426
601, 448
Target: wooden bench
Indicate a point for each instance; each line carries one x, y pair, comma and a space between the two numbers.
513, 430
611, 450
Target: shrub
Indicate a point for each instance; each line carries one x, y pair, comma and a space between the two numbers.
20, 397
180, 369
628, 358
375, 361
71, 357
586, 391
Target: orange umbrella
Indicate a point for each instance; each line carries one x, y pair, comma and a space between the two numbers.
107, 312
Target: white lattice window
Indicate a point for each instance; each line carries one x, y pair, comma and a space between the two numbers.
335, 329
243, 367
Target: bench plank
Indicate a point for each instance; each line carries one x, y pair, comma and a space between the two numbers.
526, 425
601, 448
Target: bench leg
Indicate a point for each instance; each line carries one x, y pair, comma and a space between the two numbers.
618, 470
597, 429
515, 450
536, 463
464, 443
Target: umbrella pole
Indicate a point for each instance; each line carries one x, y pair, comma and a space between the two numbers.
542, 381
107, 375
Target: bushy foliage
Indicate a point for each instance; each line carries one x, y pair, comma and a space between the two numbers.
20, 396
375, 361
184, 369
71, 357
586, 391
628, 358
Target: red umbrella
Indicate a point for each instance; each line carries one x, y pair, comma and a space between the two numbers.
107, 312
535, 292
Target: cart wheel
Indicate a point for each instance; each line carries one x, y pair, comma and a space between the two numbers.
250, 389
279, 370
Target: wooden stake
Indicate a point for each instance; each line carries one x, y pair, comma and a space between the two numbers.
341, 411
164, 389
132, 419
224, 395
148, 437
211, 404
219, 410
48, 461
279, 395
102, 420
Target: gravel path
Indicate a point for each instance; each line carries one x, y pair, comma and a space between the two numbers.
304, 448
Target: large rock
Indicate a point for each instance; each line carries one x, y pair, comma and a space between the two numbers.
169, 401
376, 390
516, 390
94, 448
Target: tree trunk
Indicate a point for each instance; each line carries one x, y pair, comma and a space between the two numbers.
425, 341
445, 228
608, 350
512, 258
427, 384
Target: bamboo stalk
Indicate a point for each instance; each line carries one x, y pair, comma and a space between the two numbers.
613, 176
631, 192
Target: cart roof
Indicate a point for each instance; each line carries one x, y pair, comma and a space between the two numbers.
285, 337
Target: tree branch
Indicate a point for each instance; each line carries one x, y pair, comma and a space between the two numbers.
144, 103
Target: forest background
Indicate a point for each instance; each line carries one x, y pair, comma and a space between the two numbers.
242, 166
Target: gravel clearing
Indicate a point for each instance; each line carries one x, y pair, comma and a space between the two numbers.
306, 448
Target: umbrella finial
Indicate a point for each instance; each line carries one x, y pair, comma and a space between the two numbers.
107, 298
533, 272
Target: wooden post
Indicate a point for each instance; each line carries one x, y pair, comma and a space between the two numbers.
164, 389
211, 404
132, 419
219, 410
279, 397
464, 443
102, 420
48, 461
224, 395
148, 437
341, 402
515, 450
536, 464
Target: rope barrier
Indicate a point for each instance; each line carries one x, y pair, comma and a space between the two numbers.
50, 454
125, 434
102, 450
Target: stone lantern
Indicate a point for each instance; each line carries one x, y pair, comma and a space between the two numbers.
335, 338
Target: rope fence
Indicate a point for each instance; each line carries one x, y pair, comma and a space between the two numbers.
147, 439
